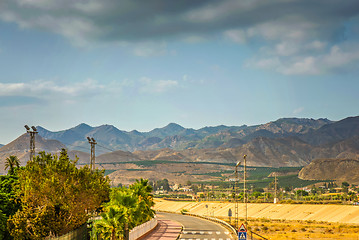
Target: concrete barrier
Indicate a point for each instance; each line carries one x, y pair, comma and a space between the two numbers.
143, 229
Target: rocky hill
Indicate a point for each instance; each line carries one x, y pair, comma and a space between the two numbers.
332, 169
334, 132
177, 137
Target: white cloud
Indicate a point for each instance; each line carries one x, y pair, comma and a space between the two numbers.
298, 110
150, 49
306, 66
236, 35
156, 86
45, 89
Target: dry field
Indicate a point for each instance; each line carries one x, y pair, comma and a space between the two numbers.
282, 221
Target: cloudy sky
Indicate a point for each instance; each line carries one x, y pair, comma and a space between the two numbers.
143, 64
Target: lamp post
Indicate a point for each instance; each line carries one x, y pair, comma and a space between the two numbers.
32, 132
244, 188
235, 195
92, 157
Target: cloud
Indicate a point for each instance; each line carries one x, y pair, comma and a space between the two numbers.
297, 33
338, 58
46, 89
298, 110
150, 49
156, 86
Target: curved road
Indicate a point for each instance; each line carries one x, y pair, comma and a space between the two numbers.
196, 228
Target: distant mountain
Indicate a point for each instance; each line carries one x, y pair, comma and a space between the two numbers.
333, 132
1, 145
20, 148
177, 137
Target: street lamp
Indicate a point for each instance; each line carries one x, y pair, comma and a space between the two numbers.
235, 194
244, 187
32, 139
92, 156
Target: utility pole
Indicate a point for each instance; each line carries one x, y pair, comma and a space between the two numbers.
244, 187
92, 157
235, 195
32, 139
275, 188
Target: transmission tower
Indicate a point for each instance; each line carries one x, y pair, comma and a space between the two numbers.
92, 157
32, 132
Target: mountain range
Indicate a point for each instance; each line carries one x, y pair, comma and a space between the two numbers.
176, 137
178, 150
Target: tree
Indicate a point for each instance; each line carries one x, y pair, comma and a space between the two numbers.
3, 220
110, 226
11, 163
8, 202
132, 205
57, 197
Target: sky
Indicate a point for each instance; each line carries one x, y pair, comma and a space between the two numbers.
143, 64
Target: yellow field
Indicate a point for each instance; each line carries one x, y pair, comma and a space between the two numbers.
282, 221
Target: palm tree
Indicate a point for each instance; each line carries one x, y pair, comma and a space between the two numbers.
12, 162
143, 190
111, 225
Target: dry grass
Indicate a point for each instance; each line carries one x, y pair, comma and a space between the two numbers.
284, 229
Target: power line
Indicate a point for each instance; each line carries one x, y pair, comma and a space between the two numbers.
112, 150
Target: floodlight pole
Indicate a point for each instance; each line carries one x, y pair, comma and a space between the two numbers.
32, 140
235, 195
92, 157
244, 187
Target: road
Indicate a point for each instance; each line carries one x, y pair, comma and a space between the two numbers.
197, 228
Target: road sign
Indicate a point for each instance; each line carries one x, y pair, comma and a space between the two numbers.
242, 228
242, 235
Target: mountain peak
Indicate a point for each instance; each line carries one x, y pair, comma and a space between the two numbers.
174, 126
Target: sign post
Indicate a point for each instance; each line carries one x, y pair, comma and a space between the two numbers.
242, 232
230, 215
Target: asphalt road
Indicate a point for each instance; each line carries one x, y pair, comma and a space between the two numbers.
196, 228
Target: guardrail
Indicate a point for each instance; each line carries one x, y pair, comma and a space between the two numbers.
143, 229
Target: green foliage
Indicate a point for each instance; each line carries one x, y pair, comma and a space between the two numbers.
8, 202
56, 196
11, 163
3, 220
162, 184
183, 211
131, 206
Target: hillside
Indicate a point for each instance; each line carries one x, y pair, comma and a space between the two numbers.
20, 148
177, 137
333, 132
332, 169
182, 153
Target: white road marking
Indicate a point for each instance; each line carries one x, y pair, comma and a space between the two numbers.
226, 233
193, 232
201, 232
218, 233
209, 233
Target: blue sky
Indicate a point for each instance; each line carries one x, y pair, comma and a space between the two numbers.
143, 64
